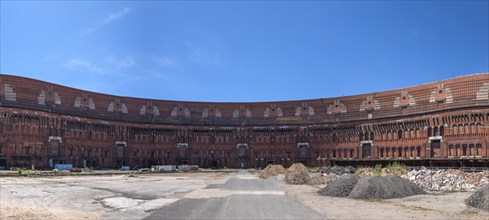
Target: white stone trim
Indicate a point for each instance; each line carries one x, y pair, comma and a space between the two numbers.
366, 142
435, 138
242, 144
56, 138
121, 143
182, 145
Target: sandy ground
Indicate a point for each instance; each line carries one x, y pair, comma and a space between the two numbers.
96, 197
435, 205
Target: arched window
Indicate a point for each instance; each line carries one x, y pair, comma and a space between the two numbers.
472, 150
478, 149
455, 130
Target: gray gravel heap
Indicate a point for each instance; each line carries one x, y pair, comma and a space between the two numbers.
341, 187
480, 199
338, 170
297, 178
389, 187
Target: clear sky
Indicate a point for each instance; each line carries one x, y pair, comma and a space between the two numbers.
243, 50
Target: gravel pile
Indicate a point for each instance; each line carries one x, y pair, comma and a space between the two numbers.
272, 170
297, 178
296, 167
322, 178
389, 187
448, 180
342, 187
371, 187
338, 170
480, 199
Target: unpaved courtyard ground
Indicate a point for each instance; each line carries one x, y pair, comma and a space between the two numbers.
97, 197
434, 205
223, 194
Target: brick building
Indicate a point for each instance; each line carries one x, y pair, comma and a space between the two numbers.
440, 123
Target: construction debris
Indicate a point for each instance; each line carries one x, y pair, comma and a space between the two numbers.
480, 199
448, 180
321, 178
272, 170
342, 187
389, 187
297, 178
338, 170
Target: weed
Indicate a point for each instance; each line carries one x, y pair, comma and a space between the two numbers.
378, 169
28, 173
397, 168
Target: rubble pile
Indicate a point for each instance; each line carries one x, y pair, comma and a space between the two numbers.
480, 199
341, 187
321, 178
478, 179
389, 187
296, 167
272, 170
297, 178
338, 170
448, 180
371, 187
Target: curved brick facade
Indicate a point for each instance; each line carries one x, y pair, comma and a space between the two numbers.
440, 123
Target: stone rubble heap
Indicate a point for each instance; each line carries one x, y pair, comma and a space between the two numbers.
448, 180
322, 178
480, 198
341, 187
297, 178
338, 170
388, 187
298, 174
371, 187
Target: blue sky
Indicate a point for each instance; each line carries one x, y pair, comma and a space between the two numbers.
243, 51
